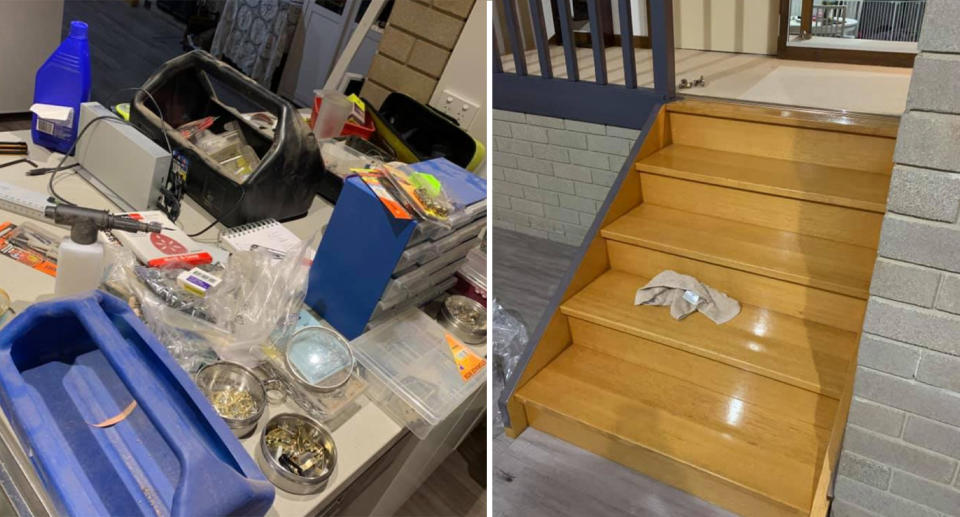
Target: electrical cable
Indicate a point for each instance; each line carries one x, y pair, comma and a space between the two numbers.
176, 187
174, 195
60, 166
217, 219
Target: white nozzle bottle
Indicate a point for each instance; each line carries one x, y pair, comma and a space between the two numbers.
80, 260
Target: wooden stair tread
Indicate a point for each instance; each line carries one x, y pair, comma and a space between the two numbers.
713, 432
798, 180
799, 352
778, 398
807, 260
776, 114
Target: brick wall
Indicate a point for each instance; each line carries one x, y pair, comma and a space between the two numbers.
902, 446
415, 47
551, 175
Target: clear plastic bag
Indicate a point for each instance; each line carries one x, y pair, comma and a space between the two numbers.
423, 193
509, 341
259, 297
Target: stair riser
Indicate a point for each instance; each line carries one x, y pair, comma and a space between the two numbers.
860, 152
840, 224
797, 300
681, 475
789, 402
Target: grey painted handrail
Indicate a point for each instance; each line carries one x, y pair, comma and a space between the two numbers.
566, 37
513, 32
586, 100
540, 38
497, 61
661, 41
626, 43
596, 40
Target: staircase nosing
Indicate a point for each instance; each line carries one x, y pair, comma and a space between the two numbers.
702, 352
756, 269
609, 434
827, 199
710, 389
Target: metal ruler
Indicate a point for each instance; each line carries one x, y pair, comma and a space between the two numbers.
22, 201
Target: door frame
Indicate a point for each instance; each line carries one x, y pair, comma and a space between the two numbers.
831, 55
604, 9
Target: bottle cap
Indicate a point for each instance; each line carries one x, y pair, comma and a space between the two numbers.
78, 29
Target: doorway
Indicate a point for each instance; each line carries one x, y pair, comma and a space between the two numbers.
869, 32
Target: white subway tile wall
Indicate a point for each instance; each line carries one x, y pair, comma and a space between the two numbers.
551, 175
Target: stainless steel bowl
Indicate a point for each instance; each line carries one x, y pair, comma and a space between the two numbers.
283, 478
225, 375
465, 318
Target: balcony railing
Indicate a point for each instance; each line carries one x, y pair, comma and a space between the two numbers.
884, 20
546, 68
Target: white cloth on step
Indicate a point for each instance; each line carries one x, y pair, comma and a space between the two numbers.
685, 294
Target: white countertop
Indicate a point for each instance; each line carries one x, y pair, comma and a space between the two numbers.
360, 440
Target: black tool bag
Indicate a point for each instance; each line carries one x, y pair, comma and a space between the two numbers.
196, 85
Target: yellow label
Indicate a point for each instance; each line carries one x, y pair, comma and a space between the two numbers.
356, 100
468, 362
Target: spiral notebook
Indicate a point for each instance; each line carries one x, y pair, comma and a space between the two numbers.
267, 233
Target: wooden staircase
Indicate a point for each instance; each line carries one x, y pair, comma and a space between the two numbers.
781, 209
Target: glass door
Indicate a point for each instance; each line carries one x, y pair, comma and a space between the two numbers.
878, 32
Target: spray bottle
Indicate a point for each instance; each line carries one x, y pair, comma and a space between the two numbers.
80, 259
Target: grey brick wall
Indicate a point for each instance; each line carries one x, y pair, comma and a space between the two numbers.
551, 175
901, 451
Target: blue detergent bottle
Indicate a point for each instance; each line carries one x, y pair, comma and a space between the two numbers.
63, 80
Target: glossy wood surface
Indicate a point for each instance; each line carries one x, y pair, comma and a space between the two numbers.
685, 476
780, 399
782, 209
829, 465
806, 260
836, 310
811, 118
798, 180
732, 439
847, 225
831, 148
802, 353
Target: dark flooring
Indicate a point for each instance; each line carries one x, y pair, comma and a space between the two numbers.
14, 121
127, 44
449, 491
538, 475
526, 270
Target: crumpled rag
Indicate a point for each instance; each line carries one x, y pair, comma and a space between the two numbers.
685, 294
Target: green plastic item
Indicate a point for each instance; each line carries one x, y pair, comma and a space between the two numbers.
427, 182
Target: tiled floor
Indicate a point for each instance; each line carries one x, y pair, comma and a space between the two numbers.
754, 77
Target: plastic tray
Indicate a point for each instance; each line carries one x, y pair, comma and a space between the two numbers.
427, 230
429, 250
415, 280
409, 281
474, 270
411, 372
70, 363
395, 294
383, 311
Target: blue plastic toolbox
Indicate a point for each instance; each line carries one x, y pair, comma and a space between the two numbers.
70, 363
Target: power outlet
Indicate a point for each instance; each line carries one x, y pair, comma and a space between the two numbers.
454, 105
